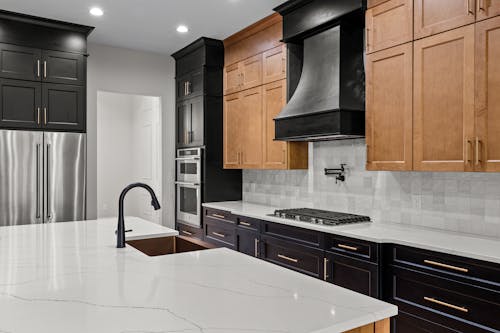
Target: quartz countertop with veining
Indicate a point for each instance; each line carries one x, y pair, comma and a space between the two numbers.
69, 277
470, 246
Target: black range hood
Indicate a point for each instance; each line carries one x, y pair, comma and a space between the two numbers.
326, 84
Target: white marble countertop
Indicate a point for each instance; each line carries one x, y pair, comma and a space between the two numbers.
69, 277
430, 239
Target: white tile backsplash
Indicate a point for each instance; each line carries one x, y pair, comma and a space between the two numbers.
463, 202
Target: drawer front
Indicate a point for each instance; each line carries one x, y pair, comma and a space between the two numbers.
248, 223
354, 274
299, 258
220, 215
352, 247
405, 323
220, 234
457, 305
468, 270
189, 231
248, 242
303, 236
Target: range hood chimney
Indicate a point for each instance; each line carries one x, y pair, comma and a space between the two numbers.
326, 82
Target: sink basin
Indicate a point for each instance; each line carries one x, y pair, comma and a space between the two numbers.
169, 245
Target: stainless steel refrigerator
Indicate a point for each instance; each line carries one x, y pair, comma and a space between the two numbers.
42, 177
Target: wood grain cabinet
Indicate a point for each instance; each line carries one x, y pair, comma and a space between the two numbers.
274, 64
444, 101
233, 138
389, 108
487, 8
487, 136
389, 24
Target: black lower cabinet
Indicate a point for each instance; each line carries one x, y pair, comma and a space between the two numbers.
248, 242
220, 233
406, 323
189, 231
351, 273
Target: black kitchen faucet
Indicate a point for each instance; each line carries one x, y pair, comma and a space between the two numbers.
120, 233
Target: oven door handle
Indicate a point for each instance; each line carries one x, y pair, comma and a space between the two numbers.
188, 159
187, 184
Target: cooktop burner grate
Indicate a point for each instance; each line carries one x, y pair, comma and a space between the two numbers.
320, 216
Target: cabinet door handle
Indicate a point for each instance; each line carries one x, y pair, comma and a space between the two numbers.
478, 151
256, 247
246, 224
481, 5
325, 268
441, 265
219, 216
187, 233
470, 9
38, 115
468, 146
45, 69
283, 65
45, 116
347, 247
38, 68
218, 234
188, 84
282, 256
448, 305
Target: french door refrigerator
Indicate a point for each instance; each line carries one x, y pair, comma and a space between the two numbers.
42, 177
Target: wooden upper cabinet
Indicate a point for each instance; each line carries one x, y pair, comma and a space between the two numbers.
274, 64
389, 24
233, 131
487, 8
251, 72
389, 81
444, 101
232, 79
487, 140
251, 128
432, 17
275, 152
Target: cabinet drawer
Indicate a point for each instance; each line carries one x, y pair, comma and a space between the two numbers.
220, 233
189, 231
219, 215
464, 269
353, 247
460, 306
405, 323
299, 235
299, 258
248, 223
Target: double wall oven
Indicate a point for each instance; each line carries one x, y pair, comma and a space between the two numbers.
188, 185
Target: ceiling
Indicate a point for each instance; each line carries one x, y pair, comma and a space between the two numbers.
150, 25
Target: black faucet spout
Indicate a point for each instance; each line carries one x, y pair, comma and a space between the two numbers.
120, 233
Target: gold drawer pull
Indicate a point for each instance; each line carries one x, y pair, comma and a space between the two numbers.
282, 256
218, 234
347, 247
325, 268
438, 264
256, 248
245, 224
187, 233
219, 216
448, 305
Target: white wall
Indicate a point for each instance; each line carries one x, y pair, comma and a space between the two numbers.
139, 73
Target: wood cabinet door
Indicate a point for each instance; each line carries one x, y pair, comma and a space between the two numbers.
64, 67
389, 109
20, 104
63, 107
251, 125
274, 64
487, 8
487, 141
232, 79
233, 131
275, 155
389, 24
19, 62
432, 17
251, 72
443, 108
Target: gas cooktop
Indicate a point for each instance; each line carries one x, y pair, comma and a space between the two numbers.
318, 216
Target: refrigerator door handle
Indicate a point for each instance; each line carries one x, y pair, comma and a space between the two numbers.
47, 182
37, 180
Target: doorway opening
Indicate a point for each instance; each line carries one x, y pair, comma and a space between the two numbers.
129, 147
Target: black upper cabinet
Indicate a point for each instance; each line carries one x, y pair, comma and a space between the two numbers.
63, 67
190, 85
18, 62
42, 73
20, 104
190, 122
63, 107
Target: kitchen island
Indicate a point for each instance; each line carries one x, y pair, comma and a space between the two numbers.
69, 277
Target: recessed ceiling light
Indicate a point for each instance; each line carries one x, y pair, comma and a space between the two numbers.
182, 28
96, 11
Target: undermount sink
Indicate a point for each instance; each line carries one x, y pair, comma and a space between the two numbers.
168, 245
